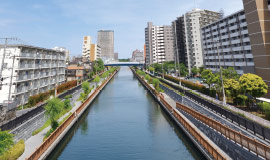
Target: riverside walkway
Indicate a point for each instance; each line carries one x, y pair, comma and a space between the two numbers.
35, 141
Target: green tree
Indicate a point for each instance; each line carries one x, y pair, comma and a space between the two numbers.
96, 80
230, 73
91, 74
253, 85
53, 108
156, 83
201, 69
194, 71
147, 77
151, 69
208, 77
67, 104
86, 87
6, 141
232, 87
183, 70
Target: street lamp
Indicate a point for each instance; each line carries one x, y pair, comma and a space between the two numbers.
221, 76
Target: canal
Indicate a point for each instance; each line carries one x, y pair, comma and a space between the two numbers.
125, 122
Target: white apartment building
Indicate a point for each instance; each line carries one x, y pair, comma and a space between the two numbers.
159, 43
232, 37
86, 47
193, 22
63, 49
29, 70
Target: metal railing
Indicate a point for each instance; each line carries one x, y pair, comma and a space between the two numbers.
258, 148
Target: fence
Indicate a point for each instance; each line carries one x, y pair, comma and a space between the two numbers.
251, 144
47, 143
241, 121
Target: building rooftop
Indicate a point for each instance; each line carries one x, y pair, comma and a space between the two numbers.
28, 46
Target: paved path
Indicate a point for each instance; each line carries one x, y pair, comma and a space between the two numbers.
35, 141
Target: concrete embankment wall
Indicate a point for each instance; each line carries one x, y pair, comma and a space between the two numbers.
200, 140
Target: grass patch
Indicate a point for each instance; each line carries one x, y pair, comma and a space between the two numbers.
14, 152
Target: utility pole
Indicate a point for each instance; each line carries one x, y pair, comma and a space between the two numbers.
10, 83
177, 54
221, 77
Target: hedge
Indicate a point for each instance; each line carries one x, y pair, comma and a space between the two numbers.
14, 152
193, 86
35, 99
65, 86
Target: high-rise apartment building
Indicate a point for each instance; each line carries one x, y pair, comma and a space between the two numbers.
95, 52
86, 47
230, 37
29, 70
258, 23
106, 41
188, 36
159, 43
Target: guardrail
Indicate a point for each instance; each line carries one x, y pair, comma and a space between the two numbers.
243, 140
47, 143
249, 125
201, 139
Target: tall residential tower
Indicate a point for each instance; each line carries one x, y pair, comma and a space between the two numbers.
159, 44
106, 41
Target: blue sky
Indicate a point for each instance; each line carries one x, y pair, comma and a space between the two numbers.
50, 23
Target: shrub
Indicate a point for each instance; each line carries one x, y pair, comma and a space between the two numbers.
67, 104
65, 86
265, 107
150, 80
48, 134
14, 152
147, 77
191, 85
6, 141
68, 96
54, 125
156, 83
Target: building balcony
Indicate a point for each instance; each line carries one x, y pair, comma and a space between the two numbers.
235, 41
246, 39
240, 63
233, 27
237, 48
27, 55
249, 55
244, 32
232, 20
235, 34
238, 56
247, 47
244, 24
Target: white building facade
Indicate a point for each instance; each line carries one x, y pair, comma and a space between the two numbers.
232, 37
193, 22
63, 49
87, 41
29, 70
159, 43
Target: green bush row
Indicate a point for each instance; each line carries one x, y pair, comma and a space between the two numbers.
193, 86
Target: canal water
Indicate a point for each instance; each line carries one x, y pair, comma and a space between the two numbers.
125, 123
